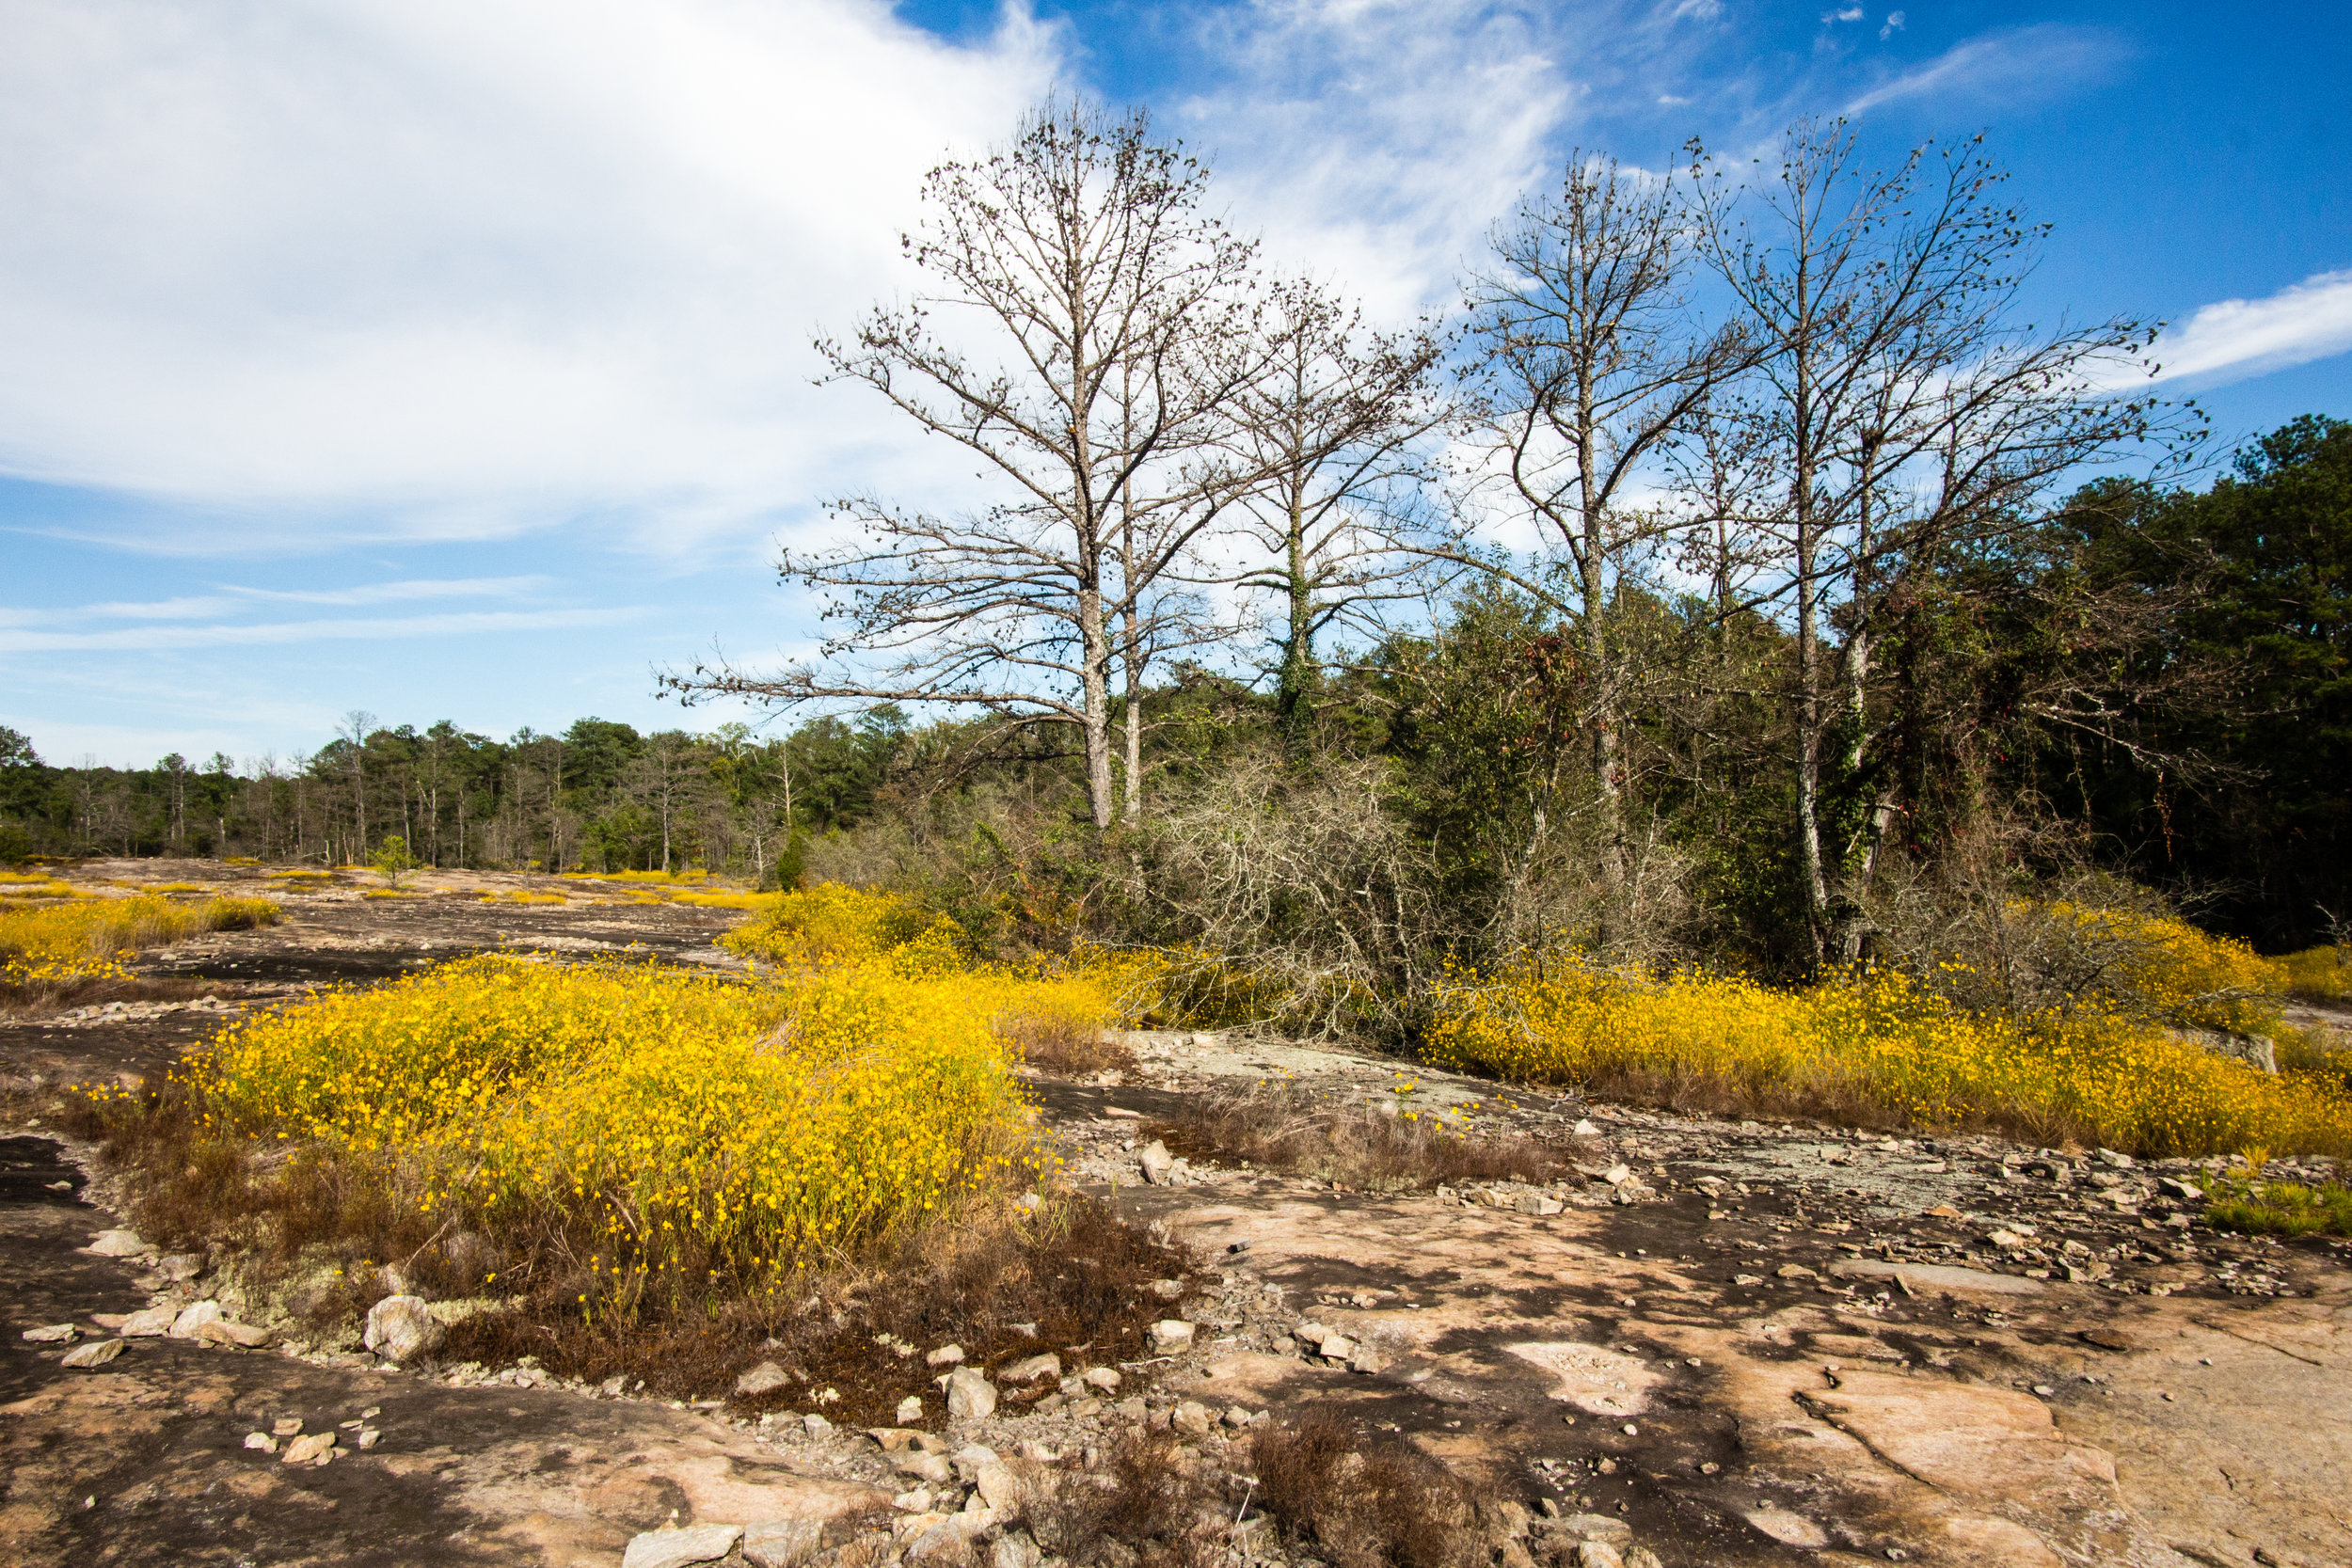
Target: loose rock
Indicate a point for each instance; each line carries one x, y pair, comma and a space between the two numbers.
970, 1396
95, 1353
402, 1328
1030, 1370
783, 1543
118, 1244
675, 1548
311, 1447
761, 1379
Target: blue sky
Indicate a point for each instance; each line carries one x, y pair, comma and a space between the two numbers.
451, 360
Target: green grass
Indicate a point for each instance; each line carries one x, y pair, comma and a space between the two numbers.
2281, 1208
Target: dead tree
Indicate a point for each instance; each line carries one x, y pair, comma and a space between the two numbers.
1089, 327
1587, 362
1334, 427
1907, 410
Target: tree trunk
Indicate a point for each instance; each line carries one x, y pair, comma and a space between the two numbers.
1096, 675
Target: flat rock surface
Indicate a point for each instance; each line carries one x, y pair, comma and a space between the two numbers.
1791, 1345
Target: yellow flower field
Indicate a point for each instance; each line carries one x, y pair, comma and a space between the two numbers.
87, 937
1883, 1048
684, 1125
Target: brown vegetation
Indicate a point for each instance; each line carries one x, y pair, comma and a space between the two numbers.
1148, 1506
1363, 1505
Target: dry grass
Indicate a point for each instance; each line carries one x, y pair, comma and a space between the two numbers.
1359, 1504
1071, 1278
1149, 1506
1285, 1128
1066, 1046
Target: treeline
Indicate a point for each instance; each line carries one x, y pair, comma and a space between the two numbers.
599, 796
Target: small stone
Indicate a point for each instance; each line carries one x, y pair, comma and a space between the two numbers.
1170, 1335
1237, 1416
1157, 1163
763, 1378
53, 1333
933, 1468
1596, 1527
918, 1500
1941, 1211
675, 1548
1367, 1359
2184, 1191
1631, 1430
783, 1543
817, 1426
309, 1449
2043, 1389
261, 1440
946, 1355
181, 1267
286, 1426
1598, 1554
1014, 1549
402, 1328
369, 1438
95, 1353
1795, 1271
195, 1316
909, 1410
2119, 1162
118, 1244
970, 1396
1100, 1377
1192, 1418
1167, 1290
1032, 1369
1747, 1279
1584, 1129
220, 1331
994, 1487
155, 1321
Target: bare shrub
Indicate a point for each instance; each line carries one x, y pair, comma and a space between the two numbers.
1363, 1505
1307, 880
1149, 1506
1066, 1046
1286, 1128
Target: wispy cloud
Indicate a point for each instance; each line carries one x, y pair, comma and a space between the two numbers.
2232, 339
2023, 59
462, 624
230, 600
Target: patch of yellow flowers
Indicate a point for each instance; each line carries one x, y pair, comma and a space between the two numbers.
695, 1127
2096, 1072
87, 938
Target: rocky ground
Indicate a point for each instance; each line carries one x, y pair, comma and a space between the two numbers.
1716, 1342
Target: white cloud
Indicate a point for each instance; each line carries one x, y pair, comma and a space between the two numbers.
443, 269
2233, 339
1894, 24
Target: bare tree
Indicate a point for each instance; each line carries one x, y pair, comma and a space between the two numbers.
356, 726
1907, 410
1587, 364
1084, 250
1333, 425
